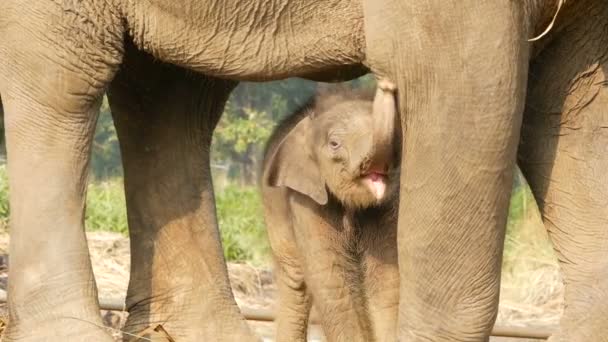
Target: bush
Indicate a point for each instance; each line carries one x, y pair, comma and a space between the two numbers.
526, 240
106, 206
239, 215
241, 221
3, 196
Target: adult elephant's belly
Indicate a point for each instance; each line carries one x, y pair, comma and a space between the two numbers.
253, 40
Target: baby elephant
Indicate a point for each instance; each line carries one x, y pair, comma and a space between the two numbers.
330, 190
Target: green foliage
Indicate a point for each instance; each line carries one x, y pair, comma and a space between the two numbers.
4, 210
2, 142
239, 216
241, 134
105, 161
241, 222
277, 98
239, 211
249, 117
526, 239
368, 81
106, 208
521, 201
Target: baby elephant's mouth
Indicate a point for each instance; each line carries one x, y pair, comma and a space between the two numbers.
375, 181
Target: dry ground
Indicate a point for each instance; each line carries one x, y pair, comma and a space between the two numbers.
531, 290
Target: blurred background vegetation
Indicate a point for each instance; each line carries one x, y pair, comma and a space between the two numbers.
238, 143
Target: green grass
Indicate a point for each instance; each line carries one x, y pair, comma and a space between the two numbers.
106, 208
239, 216
242, 226
241, 223
526, 239
3, 196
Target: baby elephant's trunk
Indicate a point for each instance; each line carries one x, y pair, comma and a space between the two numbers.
384, 110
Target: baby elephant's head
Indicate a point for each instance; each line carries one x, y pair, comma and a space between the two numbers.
347, 143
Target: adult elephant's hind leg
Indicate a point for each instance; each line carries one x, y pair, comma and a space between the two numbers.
164, 117
564, 155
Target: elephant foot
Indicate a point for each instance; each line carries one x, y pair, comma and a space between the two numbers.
586, 336
582, 329
221, 323
68, 329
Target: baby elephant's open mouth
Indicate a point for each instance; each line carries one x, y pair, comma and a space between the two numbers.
376, 183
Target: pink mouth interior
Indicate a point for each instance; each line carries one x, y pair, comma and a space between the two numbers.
375, 176
376, 182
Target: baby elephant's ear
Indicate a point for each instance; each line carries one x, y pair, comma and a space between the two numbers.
291, 165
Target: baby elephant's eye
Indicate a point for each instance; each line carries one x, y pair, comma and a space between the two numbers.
334, 144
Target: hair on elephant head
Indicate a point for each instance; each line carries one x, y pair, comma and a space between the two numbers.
340, 141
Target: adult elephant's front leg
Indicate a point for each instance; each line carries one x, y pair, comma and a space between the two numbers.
51, 91
164, 117
460, 68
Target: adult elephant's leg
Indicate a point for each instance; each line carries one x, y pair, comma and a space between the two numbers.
51, 91
52, 291
564, 155
460, 68
165, 116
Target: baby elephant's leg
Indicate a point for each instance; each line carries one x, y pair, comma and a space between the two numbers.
332, 277
295, 302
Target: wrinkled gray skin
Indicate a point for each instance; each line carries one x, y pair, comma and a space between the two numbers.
332, 229
463, 69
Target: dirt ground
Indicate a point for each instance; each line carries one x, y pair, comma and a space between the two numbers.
532, 298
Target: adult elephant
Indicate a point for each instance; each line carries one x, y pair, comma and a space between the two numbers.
461, 68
